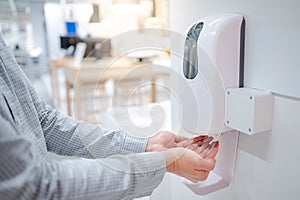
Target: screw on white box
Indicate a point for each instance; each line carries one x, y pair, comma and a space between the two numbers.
213, 62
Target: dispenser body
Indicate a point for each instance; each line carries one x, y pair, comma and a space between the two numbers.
211, 64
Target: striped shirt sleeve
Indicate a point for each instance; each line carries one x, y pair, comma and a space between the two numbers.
24, 174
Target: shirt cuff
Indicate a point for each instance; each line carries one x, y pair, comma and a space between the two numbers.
152, 168
134, 144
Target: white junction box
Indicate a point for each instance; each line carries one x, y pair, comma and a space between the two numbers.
249, 110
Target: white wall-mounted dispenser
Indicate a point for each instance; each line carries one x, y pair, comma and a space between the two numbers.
212, 62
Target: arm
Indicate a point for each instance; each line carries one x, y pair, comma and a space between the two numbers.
25, 174
67, 136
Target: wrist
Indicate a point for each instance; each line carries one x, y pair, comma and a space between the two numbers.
171, 157
168, 159
153, 145
149, 145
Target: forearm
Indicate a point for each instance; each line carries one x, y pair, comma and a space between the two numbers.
67, 136
117, 177
26, 173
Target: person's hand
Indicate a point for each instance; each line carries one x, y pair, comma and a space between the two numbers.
165, 140
189, 164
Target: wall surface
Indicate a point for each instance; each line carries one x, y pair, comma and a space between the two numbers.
55, 28
272, 38
267, 164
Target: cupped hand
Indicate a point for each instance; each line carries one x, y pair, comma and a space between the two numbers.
165, 140
187, 163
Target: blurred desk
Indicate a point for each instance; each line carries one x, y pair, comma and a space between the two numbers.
55, 65
98, 72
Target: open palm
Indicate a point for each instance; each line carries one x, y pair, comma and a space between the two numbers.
165, 140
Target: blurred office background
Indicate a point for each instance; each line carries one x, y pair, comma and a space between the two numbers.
125, 34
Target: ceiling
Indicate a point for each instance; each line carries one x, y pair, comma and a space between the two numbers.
14, 9
19, 9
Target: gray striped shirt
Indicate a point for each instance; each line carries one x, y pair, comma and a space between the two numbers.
96, 163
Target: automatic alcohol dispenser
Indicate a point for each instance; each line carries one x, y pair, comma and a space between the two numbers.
212, 62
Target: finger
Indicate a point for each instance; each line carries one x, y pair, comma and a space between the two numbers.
202, 148
201, 151
213, 152
199, 138
205, 140
208, 139
199, 143
193, 147
204, 153
195, 140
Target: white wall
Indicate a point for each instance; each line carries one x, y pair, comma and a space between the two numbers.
55, 28
268, 165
